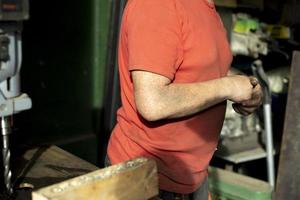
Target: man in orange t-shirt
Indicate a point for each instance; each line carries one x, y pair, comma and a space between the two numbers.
173, 63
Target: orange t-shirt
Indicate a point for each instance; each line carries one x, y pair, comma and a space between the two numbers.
186, 42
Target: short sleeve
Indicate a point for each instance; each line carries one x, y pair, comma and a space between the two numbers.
153, 35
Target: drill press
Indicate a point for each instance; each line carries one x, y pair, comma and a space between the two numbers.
12, 101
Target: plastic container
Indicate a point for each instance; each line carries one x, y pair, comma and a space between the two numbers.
226, 185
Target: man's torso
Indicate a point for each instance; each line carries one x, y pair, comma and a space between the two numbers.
182, 147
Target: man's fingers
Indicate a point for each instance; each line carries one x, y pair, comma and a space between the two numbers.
241, 109
256, 99
254, 102
253, 81
236, 108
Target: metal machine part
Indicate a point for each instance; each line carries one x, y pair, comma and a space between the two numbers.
259, 72
236, 125
247, 37
12, 101
14, 10
239, 133
279, 80
6, 130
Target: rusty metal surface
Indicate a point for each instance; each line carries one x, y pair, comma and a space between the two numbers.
288, 182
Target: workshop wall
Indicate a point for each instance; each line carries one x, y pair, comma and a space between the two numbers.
64, 52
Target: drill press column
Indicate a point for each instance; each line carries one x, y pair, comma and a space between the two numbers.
12, 101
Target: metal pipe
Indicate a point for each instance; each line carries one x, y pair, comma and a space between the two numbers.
259, 72
269, 143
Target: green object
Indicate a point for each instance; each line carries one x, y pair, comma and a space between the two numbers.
100, 26
63, 71
245, 25
226, 185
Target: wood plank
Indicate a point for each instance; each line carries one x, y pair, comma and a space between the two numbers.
47, 165
132, 180
288, 180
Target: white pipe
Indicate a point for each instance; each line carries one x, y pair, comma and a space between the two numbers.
269, 143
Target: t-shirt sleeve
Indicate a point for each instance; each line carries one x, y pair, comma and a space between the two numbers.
154, 32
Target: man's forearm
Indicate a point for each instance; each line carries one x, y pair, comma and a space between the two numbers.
179, 100
156, 97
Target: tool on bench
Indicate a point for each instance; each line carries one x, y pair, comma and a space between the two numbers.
12, 101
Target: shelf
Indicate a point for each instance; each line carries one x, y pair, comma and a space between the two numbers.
226, 3
244, 156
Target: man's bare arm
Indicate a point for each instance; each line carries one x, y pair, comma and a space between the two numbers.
157, 98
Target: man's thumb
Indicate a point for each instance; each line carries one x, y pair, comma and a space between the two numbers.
253, 81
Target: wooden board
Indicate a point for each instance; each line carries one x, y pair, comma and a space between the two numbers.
46, 165
133, 180
288, 180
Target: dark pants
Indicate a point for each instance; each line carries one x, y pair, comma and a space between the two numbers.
200, 194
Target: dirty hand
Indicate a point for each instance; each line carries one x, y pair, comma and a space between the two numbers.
240, 88
249, 106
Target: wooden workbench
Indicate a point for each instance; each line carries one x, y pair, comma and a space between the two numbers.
52, 173
43, 166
